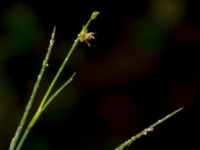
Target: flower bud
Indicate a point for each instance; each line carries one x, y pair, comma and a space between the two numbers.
94, 15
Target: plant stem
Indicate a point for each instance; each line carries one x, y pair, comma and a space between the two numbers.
27, 130
33, 94
39, 112
58, 91
147, 130
76, 41
58, 73
45, 102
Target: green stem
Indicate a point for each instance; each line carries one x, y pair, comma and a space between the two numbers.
58, 73
44, 103
147, 130
39, 112
27, 130
93, 16
35, 89
58, 91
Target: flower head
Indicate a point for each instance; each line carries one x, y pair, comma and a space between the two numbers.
85, 36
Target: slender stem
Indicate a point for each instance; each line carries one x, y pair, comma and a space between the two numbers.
27, 130
51, 98
40, 108
44, 103
147, 130
58, 73
39, 112
92, 17
33, 94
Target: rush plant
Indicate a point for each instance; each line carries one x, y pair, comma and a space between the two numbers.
25, 126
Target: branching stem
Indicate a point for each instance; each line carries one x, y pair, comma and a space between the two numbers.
46, 100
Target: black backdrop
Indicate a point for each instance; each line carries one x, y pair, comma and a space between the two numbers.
143, 64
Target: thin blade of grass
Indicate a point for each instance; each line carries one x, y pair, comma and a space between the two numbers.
76, 41
45, 98
146, 130
33, 94
51, 98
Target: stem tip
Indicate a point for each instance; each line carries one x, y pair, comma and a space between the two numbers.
94, 15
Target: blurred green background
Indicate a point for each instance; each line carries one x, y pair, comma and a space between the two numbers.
143, 64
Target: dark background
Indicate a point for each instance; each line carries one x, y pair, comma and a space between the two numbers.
143, 64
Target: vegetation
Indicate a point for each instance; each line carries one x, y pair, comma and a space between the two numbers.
24, 127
